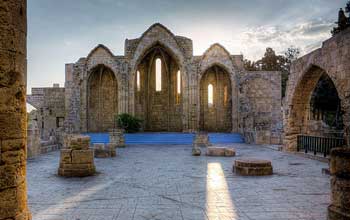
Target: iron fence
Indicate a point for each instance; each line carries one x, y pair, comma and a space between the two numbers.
318, 144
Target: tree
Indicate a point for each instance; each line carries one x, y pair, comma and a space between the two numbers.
291, 54
343, 21
250, 65
347, 7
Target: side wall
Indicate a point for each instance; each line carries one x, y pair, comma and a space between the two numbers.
333, 58
260, 107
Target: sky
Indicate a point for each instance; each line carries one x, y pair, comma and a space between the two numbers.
62, 31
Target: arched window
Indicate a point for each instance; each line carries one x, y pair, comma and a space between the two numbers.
210, 95
178, 82
158, 74
138, 81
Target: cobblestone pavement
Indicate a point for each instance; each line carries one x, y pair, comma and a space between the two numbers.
166, 182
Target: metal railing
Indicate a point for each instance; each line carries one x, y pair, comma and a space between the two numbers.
318, 144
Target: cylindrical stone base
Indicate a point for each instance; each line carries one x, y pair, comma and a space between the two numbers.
253, 167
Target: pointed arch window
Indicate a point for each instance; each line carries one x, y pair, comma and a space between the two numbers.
210, 95
225, 96
178, 87
138, 81
178, 82
158, 75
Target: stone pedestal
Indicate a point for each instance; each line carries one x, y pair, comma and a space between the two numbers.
104, 150
340, 184
253, 167
201, 139
116, 137
196, 151
77, 160
220, 152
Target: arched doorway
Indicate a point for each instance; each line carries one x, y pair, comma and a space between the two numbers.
158, 91
216, 100
102, 99
315, 108
325, 117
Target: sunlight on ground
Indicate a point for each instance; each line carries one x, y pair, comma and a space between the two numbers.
219, 201
60, 208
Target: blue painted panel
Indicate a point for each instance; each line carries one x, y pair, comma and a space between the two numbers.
167, 138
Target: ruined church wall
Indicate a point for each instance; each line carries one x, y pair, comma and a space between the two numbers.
260, 107
333, 59
265, 110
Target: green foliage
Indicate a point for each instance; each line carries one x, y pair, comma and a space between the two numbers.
343, 21
128, 122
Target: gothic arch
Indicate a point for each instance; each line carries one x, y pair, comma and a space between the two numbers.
160, 110
158, 36
221, 115
299, 90
102, 99
218, 56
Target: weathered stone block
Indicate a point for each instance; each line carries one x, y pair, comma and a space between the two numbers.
82, 156
112, 148
253, 167
216, 151
78, 163
340, 192
196, 151
340, 162
230, 152
66, 156
220, 152
76, 172
116, 136
201, 139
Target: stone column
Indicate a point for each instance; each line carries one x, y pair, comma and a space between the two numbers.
116, 137
13, 125
33, 142
340, 184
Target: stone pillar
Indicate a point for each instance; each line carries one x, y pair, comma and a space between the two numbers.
13, 125
340, 184
201, 139
76, 159
33, 142
116, 137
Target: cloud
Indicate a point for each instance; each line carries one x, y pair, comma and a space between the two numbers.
307, 36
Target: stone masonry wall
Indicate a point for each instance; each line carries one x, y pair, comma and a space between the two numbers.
260, 107
13, 125
164, 113
332, 59
50, 105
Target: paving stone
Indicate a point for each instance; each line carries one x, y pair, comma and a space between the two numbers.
167, 182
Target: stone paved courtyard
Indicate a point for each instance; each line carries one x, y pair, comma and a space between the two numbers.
166, 182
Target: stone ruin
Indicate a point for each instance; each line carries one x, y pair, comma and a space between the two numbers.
76, 159
116, 137
102, 150
340, 184
201, 139
253, 167
221, 152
